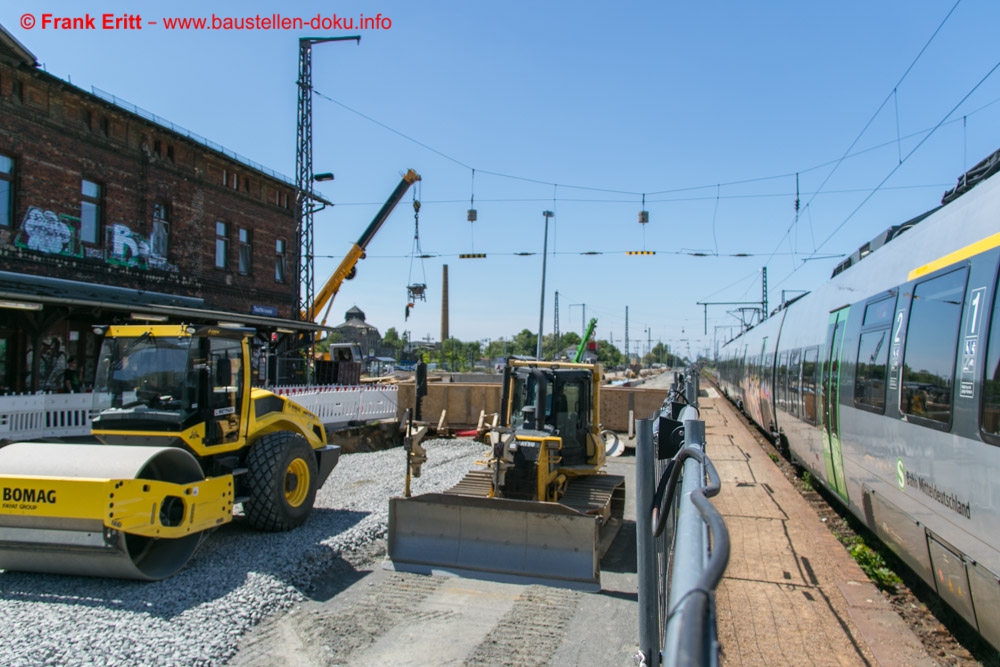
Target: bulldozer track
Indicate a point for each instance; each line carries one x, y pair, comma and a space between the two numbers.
319, 638
541, 616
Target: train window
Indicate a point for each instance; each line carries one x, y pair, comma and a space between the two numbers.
809, 398
930, 348
990, 422
783, 380
869, 382
793, 383
879, 313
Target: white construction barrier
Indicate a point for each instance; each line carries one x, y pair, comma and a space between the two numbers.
34, 416
340, 405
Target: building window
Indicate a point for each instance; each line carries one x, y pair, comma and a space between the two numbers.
6, 190
279, 261
246, 252
160, 239
221, 244
930, 348
90, 212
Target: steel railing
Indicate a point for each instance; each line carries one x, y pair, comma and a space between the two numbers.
682, 540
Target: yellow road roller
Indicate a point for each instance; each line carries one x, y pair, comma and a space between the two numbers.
185, 438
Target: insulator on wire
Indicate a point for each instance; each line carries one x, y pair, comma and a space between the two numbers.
472, 215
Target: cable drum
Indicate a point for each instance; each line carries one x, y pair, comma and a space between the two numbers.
85, 546
613, 445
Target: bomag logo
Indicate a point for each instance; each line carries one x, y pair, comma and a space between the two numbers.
16, 498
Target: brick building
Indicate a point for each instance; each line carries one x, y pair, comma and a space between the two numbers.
107, 215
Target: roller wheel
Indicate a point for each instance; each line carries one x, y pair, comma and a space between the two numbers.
280, 481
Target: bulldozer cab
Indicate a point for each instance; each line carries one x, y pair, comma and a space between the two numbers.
172, 378
553, 401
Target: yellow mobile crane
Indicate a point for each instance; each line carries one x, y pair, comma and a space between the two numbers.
348, 266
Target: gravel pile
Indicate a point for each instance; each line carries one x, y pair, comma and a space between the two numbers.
236, 578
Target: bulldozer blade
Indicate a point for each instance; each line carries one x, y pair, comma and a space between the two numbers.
514, 541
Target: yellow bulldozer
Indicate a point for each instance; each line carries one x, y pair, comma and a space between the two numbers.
185, 438
540, 508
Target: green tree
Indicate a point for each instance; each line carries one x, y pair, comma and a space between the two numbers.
392, 341
454, 354
660, 354
608, 354
524, 343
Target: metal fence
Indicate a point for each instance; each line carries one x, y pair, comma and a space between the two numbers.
682, 541
34, 416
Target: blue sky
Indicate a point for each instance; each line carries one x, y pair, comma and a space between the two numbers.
709, 109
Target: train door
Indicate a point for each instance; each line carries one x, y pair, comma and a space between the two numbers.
830, 398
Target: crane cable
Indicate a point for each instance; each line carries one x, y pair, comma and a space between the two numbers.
414, 290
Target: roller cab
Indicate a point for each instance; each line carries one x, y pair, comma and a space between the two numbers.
185, 440
539, 509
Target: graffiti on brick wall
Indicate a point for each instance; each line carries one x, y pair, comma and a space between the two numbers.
126, 248
51, 233
59, 234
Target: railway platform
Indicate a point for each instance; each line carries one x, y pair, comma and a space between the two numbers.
791, 594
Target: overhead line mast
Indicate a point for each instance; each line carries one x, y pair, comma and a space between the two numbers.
305, 202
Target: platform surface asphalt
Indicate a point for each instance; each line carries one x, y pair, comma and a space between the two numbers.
791, 594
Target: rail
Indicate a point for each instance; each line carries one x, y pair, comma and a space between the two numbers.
34, 416
682, 541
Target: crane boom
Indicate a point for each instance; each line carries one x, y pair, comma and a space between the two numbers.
583, 342
347, 267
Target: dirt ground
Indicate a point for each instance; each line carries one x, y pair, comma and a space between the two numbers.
359, 613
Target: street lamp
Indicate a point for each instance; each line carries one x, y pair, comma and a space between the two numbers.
583, 316
545, 254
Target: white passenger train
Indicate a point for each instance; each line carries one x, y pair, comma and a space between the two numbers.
885, 384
